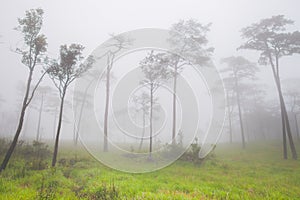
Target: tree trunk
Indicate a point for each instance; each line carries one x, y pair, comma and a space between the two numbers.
25, 128
289, 132
80, 114
79, 121
174, 106
283, 131
105, 146
39, 121
150, 118
297, 127
230, 128
247, 128
240, 112
229, 118
55, 122
58, 127
284, 116
144, 124
20, 125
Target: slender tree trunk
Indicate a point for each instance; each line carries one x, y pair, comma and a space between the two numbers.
275, 75
39, 121
143, 134
285, 156
81, 112
284, 116
174, 106
105, 146
58, 127
247, 128
229, 118
150, 118
289, 132
240, 112
230, 128
297, 127
20, 125
25, 128
55, 122
74, 132
79, 122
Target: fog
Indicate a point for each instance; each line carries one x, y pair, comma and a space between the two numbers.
90, 23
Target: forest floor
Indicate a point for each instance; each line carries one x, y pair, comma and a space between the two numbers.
258, 172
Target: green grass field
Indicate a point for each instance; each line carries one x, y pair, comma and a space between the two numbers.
259, 172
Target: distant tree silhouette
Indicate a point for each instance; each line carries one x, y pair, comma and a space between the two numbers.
239, 68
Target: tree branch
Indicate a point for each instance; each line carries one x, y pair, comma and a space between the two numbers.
34, 89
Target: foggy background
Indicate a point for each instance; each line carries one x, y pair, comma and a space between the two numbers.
90, 23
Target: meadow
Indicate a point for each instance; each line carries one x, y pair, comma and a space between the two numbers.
258, 172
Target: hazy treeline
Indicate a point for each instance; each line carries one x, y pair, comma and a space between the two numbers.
251, 114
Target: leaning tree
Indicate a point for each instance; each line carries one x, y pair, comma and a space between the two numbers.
63, 72
32, 52
270, 38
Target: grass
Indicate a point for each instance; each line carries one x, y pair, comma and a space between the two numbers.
258, 172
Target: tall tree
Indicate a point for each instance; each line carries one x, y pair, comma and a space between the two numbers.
118, 44
63, 72
270, 38
189, 45
230, 104
32, 52
238, 69
156, 71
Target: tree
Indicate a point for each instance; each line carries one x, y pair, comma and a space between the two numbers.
51, 106
230, 102
239, 69
39, 105
188, 44
141, 103
81, 102
270, 38
293, 99
254, 110
118, 44
63, 72
155, 69
32, 52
